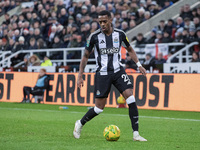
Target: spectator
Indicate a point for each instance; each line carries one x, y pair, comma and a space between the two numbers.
26, 36
52, 35
38, 89
159, 37
179, 22
94, 27
198, 36
47, 62
147, 15
152, 38
195, 57
167, 4
57, 42
160, 59
132, 24
174, 60
41, 44
166, 37
183, 37
11, 45
66, 41
4, 44
37, 34
125, 26
196, 22
34, 61
21, 45
140, 15
149, 61
63, 18
186, 12
161, 27
7, 19
187, 23
191, 38
1, 45
93, 12
169, 26
32, 43
153, 8
140, 39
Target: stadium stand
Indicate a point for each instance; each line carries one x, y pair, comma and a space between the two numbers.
55, 24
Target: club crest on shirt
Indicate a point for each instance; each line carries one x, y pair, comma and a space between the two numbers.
116, 40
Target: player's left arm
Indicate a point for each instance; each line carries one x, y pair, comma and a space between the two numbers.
132, 53
133, 56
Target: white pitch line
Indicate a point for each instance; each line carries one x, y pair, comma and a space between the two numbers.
150, 117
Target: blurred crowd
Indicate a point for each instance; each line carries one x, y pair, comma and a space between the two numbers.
67, 23
185, 29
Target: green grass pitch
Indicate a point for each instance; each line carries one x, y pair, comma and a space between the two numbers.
45, 127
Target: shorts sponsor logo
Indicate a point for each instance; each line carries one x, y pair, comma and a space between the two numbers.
98, 92
109, 50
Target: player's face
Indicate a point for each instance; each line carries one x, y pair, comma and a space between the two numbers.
105, 23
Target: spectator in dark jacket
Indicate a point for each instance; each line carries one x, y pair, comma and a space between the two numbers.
11, 45
152, 38
186, 12
32, 44
166, 37
41, 84
160, 59
63, 18
140, 39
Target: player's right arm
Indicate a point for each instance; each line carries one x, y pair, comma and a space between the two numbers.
84, 60
83, 63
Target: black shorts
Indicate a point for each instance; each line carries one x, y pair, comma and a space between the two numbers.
103, 83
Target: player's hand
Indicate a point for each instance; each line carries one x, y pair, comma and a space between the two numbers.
142, 70
80, 82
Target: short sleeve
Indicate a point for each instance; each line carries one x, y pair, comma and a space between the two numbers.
125, 41
90, 43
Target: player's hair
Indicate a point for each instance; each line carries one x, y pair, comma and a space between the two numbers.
105, 12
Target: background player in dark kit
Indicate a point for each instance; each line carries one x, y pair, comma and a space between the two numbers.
107, 42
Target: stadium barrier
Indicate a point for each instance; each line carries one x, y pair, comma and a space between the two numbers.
154, 91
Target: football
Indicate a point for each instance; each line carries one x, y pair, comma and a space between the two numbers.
121, 100
111, 133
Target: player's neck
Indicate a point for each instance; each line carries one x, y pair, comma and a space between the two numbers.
109, 32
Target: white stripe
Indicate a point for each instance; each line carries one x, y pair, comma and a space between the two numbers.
104, 58
121, 115
115, 38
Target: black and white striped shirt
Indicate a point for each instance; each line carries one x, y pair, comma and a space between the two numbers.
107, 50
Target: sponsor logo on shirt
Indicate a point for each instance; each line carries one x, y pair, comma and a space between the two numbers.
109, 50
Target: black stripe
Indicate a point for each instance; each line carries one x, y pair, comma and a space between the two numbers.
109, 44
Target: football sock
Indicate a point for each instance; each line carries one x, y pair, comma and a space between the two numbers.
90, 114
133, 114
